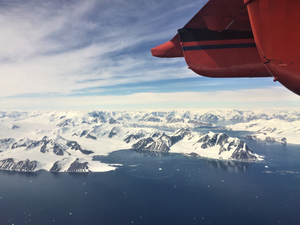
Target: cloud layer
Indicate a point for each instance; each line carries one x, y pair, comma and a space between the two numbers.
248, 98
88, 53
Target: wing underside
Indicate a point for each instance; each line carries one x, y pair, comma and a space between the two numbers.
217, 42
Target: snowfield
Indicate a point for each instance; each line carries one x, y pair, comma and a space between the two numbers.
67, 141
274, 130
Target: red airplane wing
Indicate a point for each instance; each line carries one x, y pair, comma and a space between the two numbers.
217, 42
241, 38
276, 31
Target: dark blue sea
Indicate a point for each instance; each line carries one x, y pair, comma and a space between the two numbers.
160, 190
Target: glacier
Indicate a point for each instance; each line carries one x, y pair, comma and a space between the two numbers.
67, 141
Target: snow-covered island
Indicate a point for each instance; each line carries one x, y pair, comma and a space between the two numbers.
68, 140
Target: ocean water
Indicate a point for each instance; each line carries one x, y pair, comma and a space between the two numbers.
169, 189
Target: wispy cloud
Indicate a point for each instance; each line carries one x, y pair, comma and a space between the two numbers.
57, 46
54, 51
248, 98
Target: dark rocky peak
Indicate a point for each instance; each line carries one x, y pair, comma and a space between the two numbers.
88, 134
100, 115
45, 138
174, 120
171, 114
83, 133
78, 166
159, 114
21, 143
149, 144
113, 132
267, 130
5, 143
135, 136
149, 118
50, 145
73, 145
6, 140
91, 135
37, 143
64, 123
159, 146
179, 135
243, 153
20, 166
209, 117
126, 116
187, 115
221, 139
182, 132
238, 111
141, 144
33, 144
155, 134
2, 114
152, 119
167, 139
208, 140
240, 149
112, 121
14, 126
263, 116
15, 114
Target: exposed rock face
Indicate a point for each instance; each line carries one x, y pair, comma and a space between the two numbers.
268, 139
175, 120
64, 123
91, 136
208, 117
112, 121
14, 126
49, 145
179, 135
113, 132
78, 166
75, 146
56, 167
88, 134
83, 133
283, 141
155, 134
21, 143
160, 142
101, 117
63, 166
159, 114
21, 166
6, 142
132, 137
149, 144
240, 150
34, 144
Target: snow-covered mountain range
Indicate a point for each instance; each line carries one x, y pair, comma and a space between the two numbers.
68, 140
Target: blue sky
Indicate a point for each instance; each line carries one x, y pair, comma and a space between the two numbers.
90, 54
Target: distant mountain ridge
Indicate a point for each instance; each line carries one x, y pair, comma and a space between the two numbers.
67, 140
